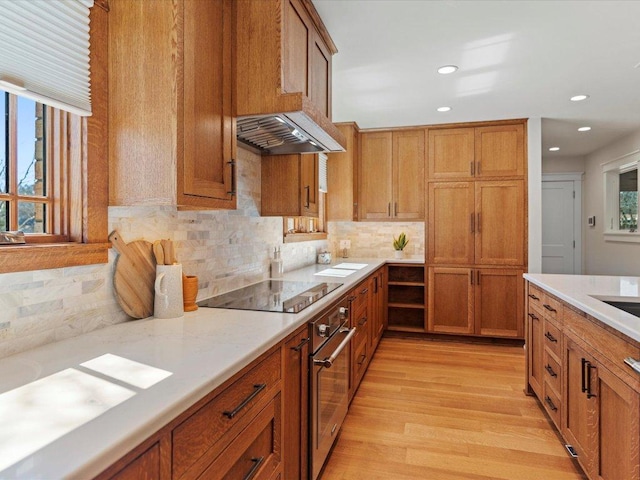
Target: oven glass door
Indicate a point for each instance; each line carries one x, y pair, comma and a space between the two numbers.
330, 398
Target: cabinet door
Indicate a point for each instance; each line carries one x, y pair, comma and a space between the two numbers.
309, 185
500, 227
499, 151
205, 166
281, 185
375, 175
451, 223
580, 416
296, 405
499, 300
450, 300
451, 153
296, 47
146, 466
320, 75
535, 349
342, 178
408, 175
619, 435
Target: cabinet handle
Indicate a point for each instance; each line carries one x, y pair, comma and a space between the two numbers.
550, 370
549, 307
364, 291
395, 209
352, 298
471, 276
257, 461
583, 381
477, 277
308, 201
550, 403
389, 209
375, 284
472, 166
257, 389
478, 222
362, 359
531, 295
533, 316
551, 338
362, 321
473, 223
589, 368
232, 164
298, 347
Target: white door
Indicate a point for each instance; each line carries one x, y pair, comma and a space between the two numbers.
558, 228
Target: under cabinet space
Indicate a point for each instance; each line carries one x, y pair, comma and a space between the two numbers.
406, 295
406, 319
406, 273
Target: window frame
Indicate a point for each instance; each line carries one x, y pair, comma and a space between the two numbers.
82, 182
611, 186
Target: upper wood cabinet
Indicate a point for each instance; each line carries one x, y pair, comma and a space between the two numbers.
290, 185
171, 125
284, 61
342, 177
391, 174
480, 152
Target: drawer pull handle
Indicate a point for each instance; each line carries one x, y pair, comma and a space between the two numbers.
362, 321
550, 370
257, 461
551, 338
232, 165
298, 347
257, 389
362, 359
533, 316
549, 307
364, 291
550, 403
531, 295
589, 367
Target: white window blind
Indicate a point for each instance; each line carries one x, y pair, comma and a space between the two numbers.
322, 174
44, 52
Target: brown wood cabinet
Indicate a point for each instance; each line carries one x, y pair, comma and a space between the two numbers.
476, 152
296, 405
171, 124
361, 320
575, 368
480, 223
378, 307
492, 296
406, 297
284, 61
391, 175
290, 185
342, 177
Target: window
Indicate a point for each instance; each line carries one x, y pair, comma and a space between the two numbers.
621, 198
53, 173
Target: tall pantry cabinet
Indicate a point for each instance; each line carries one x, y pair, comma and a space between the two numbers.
476, 229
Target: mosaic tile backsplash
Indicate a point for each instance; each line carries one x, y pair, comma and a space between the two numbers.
225, 249
375, 239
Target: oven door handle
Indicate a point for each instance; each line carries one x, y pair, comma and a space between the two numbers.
327, 362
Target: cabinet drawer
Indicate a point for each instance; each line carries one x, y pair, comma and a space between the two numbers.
203, 433
255, 452
361, 294
552, 338
552, 373
551, 402
552, 307
535, 296
360, 360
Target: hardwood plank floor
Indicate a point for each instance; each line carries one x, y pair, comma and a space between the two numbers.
447, 410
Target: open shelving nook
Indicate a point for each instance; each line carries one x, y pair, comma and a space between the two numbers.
406, 297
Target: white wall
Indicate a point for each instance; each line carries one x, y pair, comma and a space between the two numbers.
606, 258
534, 156
563, 164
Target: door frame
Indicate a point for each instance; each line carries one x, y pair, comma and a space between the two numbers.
576, 178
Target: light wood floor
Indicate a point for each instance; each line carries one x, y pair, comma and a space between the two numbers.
442, 411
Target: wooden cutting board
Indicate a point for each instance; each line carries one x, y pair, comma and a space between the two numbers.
134, 276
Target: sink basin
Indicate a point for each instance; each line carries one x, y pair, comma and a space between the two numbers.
629, 307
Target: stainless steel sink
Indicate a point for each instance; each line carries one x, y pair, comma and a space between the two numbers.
629, 307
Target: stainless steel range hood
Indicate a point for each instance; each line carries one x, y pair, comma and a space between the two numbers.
291, 132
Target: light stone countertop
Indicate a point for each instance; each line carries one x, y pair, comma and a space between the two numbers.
65, 415
580, 290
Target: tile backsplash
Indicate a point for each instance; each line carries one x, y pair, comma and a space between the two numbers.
375, 239
225, 249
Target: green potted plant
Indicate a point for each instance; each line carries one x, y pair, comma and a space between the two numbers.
399, 244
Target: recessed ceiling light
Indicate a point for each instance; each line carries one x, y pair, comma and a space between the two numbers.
579, 98
443, 109
447, 69
554, 149
584, 129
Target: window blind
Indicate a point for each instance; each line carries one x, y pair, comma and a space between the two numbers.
44, 52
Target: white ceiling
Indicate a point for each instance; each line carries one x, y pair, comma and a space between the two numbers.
516, 59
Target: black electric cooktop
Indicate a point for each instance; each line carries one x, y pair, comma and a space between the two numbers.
272, 296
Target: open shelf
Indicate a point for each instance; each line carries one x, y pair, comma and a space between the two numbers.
406, 298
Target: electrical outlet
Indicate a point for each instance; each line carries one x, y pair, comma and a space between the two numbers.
345, 244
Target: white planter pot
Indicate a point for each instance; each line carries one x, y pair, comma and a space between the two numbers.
399, 254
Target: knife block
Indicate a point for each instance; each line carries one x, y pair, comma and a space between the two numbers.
190, 292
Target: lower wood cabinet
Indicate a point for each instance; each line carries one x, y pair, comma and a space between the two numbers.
405, 297
475, 301
146, 466
575, 368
